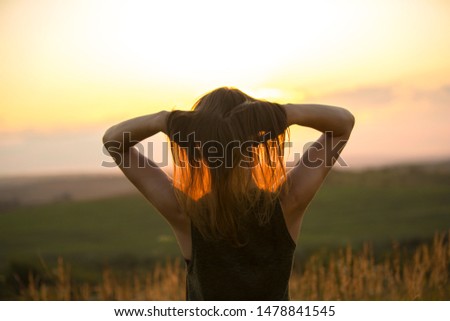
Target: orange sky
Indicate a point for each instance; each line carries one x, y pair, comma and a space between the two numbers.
69, 69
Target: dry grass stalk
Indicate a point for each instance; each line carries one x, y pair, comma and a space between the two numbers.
347, 275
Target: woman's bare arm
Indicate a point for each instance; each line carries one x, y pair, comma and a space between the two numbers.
337, 120
305, 179
119, 138
149, 179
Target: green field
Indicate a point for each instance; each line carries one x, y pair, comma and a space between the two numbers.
406, 204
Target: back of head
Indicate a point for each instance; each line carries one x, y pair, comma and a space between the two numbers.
228, 158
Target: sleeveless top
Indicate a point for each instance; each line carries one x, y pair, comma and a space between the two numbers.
259, 270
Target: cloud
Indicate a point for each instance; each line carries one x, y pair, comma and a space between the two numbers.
394, 98
31, 152
438, 97
393, 123
371, 96
396, 123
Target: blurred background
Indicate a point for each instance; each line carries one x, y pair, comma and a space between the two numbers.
71, 69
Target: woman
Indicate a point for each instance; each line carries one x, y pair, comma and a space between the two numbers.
234, 210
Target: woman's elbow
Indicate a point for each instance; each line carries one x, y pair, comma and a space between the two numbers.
110, 142
348, 119
345, 121
107, 137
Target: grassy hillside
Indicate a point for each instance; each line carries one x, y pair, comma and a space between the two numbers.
406, 204
86, 230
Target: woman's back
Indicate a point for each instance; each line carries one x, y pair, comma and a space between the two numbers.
257, 270
227, 145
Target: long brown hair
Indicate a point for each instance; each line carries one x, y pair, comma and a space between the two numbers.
228, 159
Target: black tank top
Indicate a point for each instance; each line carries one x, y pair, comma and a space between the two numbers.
259, 270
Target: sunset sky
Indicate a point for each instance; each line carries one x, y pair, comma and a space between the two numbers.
70, 69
